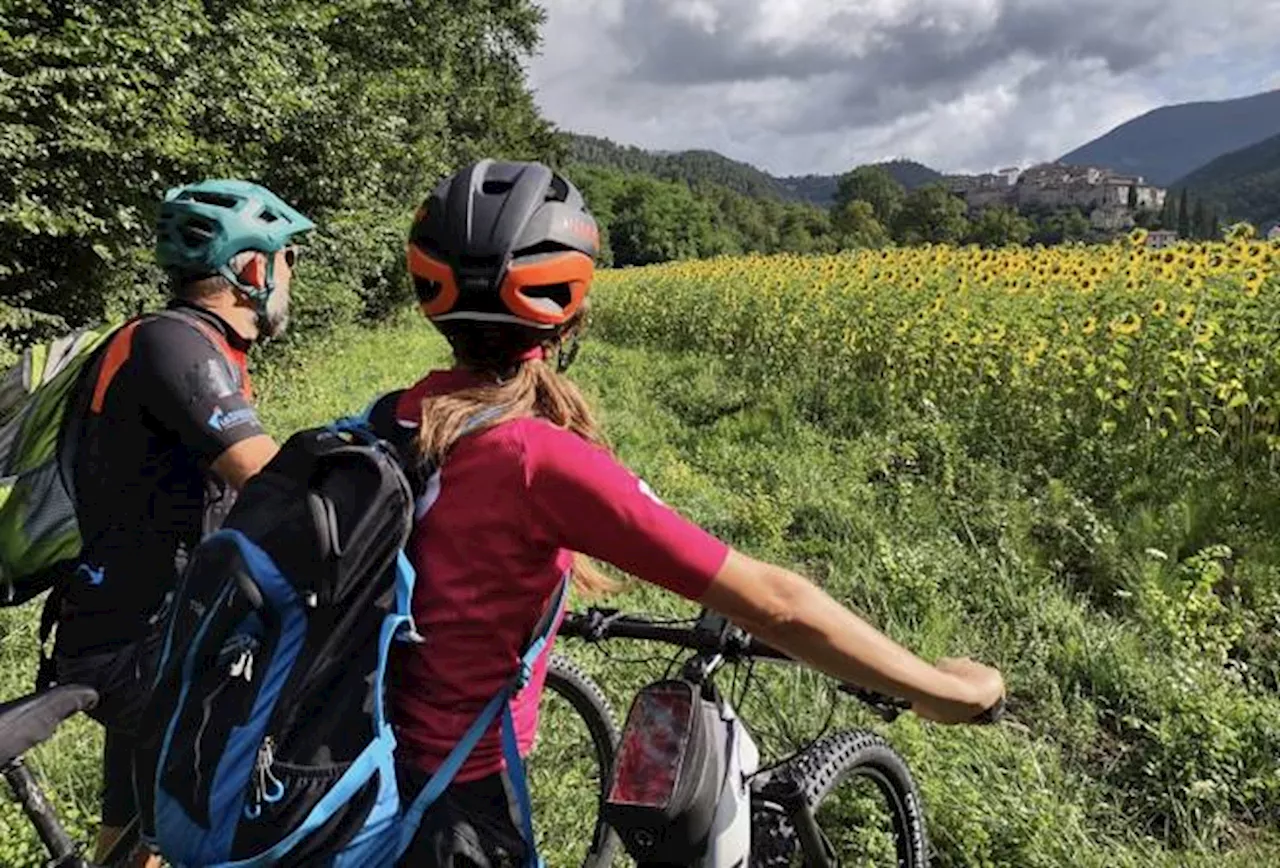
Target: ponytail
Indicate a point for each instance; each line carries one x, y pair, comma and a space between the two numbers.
533, 391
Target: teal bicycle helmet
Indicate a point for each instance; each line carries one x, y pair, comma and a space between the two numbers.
203, 226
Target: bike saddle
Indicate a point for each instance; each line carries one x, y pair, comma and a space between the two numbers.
26, 722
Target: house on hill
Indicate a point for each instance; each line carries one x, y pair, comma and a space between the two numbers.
1159, 238
1274, 234
1109, 198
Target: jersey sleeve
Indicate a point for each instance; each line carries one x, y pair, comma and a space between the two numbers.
191, 388
590, 503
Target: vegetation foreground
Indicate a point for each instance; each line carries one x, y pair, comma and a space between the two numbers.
1063, 462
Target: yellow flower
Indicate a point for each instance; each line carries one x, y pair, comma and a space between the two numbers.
1253, 280
1129, 324
1090, 325
1186, 313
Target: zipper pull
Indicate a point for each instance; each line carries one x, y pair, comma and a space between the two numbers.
272, 787
243, 665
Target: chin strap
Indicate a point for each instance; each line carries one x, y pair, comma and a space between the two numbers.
261, 295
566, 355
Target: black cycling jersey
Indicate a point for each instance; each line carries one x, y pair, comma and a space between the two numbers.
177, 397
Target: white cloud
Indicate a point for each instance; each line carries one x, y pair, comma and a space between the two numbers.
798, 86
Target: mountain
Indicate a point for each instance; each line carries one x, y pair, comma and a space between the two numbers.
1165, 144
689, 166
1244, 183
694, 167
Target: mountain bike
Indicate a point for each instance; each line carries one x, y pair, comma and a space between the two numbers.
762, 818
32, 720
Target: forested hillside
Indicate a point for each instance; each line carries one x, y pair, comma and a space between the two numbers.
1244, 184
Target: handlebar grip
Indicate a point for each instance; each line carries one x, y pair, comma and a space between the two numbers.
992, 715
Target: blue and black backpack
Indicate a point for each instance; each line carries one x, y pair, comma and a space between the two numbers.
266, 739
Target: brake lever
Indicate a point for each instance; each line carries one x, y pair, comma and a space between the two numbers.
992, 715
598, 621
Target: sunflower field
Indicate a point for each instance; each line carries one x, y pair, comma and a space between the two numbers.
1118, 353
1062, 460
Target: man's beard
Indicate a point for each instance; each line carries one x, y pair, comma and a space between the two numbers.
275, 319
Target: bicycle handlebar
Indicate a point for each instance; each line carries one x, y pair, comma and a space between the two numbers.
732, 643
713, 634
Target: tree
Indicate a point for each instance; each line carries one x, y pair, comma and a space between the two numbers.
931, 213
1169, 212
350, 110
856, 225
1184, 216
1133, 197
873, 185
1000, 226
1061, 226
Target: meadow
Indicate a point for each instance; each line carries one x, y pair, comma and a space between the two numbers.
1060, 461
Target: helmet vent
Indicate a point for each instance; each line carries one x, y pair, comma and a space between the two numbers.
197, 232
558, 293
268, 216
496, 188
486, 262
216, 199
542, 247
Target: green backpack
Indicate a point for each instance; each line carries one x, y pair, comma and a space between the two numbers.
38, 529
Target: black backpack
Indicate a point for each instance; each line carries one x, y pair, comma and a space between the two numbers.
266, 740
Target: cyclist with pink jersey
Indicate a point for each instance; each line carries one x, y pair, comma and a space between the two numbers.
502, 258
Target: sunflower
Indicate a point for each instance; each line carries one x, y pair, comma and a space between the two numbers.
1129, 324
1090, 325
1160, 307
1186, 313
1253, 280
1205, 333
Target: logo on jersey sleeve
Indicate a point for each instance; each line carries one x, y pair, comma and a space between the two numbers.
221, 420
648, 492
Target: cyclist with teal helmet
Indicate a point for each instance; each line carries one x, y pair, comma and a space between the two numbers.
163, 434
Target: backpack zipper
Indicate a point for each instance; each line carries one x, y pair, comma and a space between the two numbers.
266, 786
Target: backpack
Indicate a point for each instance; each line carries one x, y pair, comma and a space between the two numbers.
39, 533
266, 740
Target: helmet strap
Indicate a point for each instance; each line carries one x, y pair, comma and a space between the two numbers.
259, 294
567, 353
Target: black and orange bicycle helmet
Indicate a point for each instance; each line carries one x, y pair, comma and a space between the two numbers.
504, 243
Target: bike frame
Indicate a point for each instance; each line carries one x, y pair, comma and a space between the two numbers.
62, 849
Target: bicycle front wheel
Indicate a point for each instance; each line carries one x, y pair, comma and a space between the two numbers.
569, 769
866, 803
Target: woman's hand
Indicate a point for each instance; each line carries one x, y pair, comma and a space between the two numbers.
976, 688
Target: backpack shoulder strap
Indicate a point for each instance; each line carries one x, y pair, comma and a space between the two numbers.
119, 347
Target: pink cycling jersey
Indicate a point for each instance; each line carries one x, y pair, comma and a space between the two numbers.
490, 546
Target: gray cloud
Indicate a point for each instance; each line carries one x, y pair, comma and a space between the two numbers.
817, 85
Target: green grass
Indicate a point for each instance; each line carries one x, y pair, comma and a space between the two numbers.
1119, 752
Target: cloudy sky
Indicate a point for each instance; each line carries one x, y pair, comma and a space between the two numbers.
799, 86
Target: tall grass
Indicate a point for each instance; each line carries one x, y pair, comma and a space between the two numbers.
1123, 755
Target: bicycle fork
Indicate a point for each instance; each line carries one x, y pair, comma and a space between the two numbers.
40, 813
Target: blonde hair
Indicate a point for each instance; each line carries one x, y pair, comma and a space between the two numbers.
534, 390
